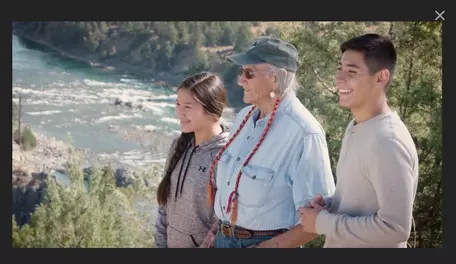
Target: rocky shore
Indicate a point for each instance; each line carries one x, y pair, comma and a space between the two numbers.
49, 154
31, 168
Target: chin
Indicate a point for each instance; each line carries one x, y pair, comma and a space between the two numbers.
348, 102
345, 104
248, 100
186, 130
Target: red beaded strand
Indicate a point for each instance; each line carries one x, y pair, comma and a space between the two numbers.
233, 198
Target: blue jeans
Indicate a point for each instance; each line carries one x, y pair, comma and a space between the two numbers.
222, 241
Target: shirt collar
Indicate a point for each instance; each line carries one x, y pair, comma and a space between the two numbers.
284, 103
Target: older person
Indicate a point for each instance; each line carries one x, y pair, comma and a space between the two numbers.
276, 160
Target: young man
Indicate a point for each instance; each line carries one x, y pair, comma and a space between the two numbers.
377, 172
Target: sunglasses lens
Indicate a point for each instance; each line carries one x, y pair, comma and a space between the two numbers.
246, 73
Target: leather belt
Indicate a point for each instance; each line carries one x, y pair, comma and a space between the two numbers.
243, 233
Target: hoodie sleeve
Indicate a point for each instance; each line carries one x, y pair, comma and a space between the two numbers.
161, 223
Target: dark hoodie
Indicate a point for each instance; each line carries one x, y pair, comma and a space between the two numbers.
187, 217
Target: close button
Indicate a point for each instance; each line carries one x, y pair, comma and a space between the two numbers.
439, 15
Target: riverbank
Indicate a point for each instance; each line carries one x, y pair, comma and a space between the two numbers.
48, 156
51, 155
31, 168
165, 79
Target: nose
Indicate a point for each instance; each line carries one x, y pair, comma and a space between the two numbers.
179, 112
241, 80
340, 77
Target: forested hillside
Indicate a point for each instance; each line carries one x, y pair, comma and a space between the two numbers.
164, 51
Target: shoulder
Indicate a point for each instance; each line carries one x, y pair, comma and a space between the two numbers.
174, 143
391, 132
239, 117
391, 150
299, 117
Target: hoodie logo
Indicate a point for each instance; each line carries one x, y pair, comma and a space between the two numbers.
203, 169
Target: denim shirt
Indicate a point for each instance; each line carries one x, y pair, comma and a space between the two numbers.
290, 167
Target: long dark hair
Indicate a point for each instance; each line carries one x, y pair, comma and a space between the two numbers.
209, 91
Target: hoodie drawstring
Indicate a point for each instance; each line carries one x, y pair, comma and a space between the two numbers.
180, 172
186, 169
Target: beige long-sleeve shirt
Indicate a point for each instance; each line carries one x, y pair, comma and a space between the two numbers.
377, 177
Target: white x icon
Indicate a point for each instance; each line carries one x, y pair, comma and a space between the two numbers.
439, 15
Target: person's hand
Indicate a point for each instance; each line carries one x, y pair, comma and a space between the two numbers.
318, 201
208, 241
270, 243
309, 217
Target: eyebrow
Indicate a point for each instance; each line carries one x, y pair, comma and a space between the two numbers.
185, 103
350, 65
248, 68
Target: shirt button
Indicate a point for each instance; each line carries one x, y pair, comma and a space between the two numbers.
238, 159
254, 177
228, 183
248, 137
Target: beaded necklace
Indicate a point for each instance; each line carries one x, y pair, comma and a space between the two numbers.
233, 197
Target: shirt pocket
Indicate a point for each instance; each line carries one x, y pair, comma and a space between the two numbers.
255, 184
223, 168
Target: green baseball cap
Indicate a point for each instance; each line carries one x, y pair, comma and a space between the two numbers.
269, 50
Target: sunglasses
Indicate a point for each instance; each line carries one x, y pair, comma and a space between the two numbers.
249, 74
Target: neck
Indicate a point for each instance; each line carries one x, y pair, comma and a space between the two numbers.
371, 110
207, 133
266, 106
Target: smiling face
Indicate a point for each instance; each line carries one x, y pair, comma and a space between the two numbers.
191, 113
257, 81
355, 84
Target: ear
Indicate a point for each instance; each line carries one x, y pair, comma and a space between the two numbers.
283, 73
383, 77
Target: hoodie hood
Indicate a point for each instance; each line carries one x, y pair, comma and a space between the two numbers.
216, 142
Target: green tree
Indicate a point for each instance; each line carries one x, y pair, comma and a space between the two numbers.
213, 33
244, 38
272, 32
26, 139
184, 34
201, 62
197, 38
228, 36
96, 215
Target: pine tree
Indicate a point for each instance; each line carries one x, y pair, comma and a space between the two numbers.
92, 215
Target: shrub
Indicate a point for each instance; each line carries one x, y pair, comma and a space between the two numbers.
28, 139
96, 215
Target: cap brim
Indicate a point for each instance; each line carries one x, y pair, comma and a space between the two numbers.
244, 59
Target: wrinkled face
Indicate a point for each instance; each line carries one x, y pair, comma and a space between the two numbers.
257, 81
192, 115
355, 84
